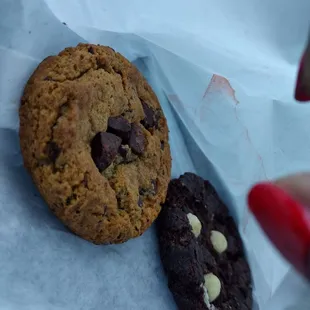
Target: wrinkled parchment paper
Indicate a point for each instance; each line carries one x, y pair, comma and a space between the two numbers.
224, 72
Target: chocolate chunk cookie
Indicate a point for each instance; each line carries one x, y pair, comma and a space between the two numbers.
95, 141
201, 249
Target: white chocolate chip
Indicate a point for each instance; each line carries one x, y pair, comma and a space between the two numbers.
218, 241
213, 286
195, 224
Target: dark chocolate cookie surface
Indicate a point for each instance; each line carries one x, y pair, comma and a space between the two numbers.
201, 249
95, 140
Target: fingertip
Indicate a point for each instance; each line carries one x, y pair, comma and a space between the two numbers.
297, 186
302, 88
283, 220
308, 265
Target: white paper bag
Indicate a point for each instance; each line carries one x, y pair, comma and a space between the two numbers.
224, 73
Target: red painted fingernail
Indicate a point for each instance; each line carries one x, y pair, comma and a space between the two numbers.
302, 90
308, 265
285, 221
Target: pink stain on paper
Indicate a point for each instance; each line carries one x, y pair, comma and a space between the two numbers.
219, 84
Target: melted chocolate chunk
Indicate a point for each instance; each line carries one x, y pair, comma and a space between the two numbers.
137, 140
91, 50
120, 127
150, 119
104, 148
53, 151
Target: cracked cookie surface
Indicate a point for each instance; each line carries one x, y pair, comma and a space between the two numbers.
95, 141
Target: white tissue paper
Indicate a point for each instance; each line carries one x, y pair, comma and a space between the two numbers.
224, 72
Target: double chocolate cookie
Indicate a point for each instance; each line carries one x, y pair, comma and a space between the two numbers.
201, 249
95, 141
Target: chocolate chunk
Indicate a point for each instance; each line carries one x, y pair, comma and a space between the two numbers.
47, 78
53, 151
142, 191
91, 50
140, 202
157, 117
137, 140
162, 144
104, 148
120, 127
149, 120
